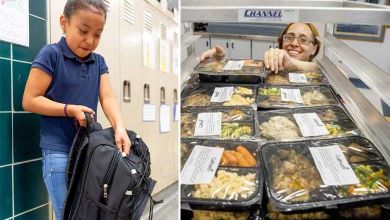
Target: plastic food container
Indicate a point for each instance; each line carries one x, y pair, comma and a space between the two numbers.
211, 70
296, 78
236, 122
216, 69
294, 181
274, 97
236, 153
281, 125
372, 212
231, 189
201, 95
252, 213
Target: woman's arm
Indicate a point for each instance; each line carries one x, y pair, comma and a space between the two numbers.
34, 100
111, 110
304, 66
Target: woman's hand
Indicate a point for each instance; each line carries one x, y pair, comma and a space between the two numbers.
122, 140
277, 60
78, 112
216, 51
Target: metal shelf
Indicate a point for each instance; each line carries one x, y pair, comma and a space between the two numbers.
367, 117
330, 11
350, 61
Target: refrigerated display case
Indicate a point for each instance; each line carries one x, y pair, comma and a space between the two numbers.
337, 61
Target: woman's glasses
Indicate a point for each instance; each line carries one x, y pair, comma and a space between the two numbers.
302, 39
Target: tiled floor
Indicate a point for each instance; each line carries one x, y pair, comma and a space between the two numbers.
169, 209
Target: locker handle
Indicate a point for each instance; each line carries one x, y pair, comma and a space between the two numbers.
233, 45
126, 91
146, 93
227, 44
175, 98
162, 95
207, 43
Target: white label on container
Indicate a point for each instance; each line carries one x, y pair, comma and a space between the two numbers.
201, 165
297, 78
333, 166
267, 15
208, 123
310, 124
222, 94
234, 65
291, 95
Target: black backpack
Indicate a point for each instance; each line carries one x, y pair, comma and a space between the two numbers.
103, 185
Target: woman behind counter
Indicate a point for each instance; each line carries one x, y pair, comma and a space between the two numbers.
299, 43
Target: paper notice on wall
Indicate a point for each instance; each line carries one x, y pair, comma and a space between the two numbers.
165, 125
222, 94
149, 112
297, 78
291, 95
234, 65
164, 56
148, 49
310, 124
333, 166
14, 21
201, 165
208, 124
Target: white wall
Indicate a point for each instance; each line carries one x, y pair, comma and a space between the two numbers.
376, 52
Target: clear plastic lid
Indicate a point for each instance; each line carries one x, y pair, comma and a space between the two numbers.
224, 66
292, 97
282, 125
201, 95
212, 64
313, 174
236, 153
231, 187
236, 122
296, 78
211, 215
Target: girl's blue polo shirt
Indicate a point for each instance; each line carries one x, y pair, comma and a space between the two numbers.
73, 82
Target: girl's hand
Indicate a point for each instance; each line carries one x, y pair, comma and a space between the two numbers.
77, 111
122, 140
277, 60
217, 51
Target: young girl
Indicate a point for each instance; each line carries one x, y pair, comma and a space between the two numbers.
65, 81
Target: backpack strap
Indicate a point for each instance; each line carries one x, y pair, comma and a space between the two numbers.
152, 203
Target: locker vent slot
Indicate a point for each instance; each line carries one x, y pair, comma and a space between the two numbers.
129, 11
165, 168
163, 32
107, 4
148, 22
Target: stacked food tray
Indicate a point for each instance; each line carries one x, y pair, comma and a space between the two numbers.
204, 95
223, 70
295, 78
305, 123
238, 181
297, 113
276, 97
235, 122
300, 178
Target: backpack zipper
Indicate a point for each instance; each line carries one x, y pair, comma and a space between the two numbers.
108, 177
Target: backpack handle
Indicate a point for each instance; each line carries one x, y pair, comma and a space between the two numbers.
89, 120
